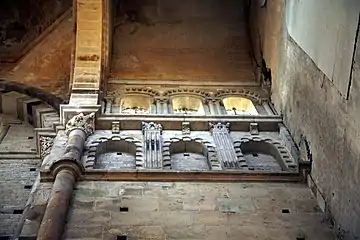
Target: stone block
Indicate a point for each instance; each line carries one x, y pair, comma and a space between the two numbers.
9, 103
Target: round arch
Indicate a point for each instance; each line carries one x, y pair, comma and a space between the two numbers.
198, 154
235, 105
264, 154
117, 152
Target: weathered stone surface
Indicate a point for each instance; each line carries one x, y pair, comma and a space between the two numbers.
315, 110
47, 65
183, 210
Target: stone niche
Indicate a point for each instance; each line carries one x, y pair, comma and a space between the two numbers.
135, 105
187, 105
116, 154
189, 155
239, 106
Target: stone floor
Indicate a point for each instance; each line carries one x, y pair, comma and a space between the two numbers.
132, 210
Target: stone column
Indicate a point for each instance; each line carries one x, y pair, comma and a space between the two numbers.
153, 108
206, 108
165, 109
212, 107
108, 106
158, 106
220, 108
170, 107
66, 170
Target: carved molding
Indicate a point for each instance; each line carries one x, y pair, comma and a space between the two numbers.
115, 127
46, 144
176, 91
253, 96
151, 126
185, 128
134, 90
82, 122
143, 90
219, 127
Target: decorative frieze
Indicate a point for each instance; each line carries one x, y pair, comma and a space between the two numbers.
46, 144
185, 128
219, 127
115, 127
82, 122
254, 129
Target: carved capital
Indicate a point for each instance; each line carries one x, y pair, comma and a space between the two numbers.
219, 127
46, 144
151, 126
185, 127
82, 122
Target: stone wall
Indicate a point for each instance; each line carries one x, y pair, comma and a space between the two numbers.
322, 121
18, 170
180, 210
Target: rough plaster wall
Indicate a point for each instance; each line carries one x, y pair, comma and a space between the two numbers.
326, 31
313, 107
47, 65
196, 210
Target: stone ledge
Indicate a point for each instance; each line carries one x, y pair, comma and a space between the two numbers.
168, 175
198, 123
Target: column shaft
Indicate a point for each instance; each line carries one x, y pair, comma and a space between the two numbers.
158, 107
53, 222
165, 107
212, 108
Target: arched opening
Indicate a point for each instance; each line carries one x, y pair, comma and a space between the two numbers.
115, 154
187, 105
239, 106
135, 104
262, 156
189, 155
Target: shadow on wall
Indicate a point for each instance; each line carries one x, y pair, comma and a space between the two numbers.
273, 159
189, 155
114, 154
52, 100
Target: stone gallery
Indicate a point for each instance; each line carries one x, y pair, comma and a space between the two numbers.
169, 119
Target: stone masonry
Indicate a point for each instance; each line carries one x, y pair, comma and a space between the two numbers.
180, 210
